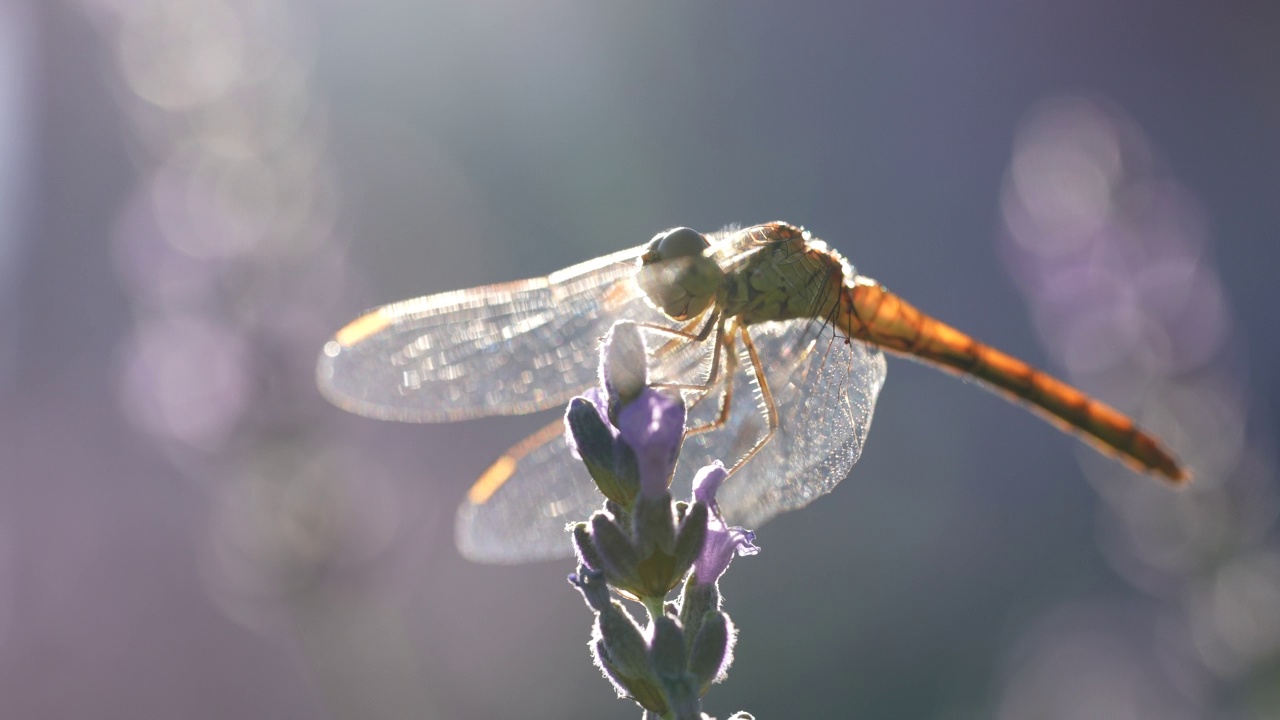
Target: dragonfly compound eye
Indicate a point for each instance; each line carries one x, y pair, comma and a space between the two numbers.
679, 242
677, 275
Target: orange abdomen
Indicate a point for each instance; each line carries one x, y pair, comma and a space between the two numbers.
871, 313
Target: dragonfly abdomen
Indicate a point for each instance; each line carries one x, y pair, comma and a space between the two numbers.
869, 312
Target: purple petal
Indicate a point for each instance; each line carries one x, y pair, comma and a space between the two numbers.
707, 482
721, 545
653, 426
723, 542
599, 399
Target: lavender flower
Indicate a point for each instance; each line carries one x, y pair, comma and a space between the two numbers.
653, 427
628, 434
642, 544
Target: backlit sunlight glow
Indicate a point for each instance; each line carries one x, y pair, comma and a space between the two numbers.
229, 248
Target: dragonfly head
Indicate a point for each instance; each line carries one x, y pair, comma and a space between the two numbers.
677, 275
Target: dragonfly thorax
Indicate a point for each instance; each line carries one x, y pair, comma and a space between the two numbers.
787, 275
677, 275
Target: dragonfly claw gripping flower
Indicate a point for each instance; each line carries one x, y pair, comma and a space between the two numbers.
643, 544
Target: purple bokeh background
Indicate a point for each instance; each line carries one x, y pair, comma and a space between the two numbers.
194, 194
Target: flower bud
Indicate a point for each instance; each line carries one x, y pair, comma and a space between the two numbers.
696, 601
654, 524
617, 556
692, 535
586, 549
624, 364
667, 650
612, 464
710, 651
623, 642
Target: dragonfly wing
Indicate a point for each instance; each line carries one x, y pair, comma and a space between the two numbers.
825, 391
517, 511
502, 349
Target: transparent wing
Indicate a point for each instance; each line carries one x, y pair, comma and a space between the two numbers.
517, 512
825, 391
501, 349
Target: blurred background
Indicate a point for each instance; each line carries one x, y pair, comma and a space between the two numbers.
195, 193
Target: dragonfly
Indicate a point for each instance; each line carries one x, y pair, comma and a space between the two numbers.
773, 338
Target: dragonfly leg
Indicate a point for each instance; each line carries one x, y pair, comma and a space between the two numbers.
702, 334
770, 407
726, 398
714, 322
